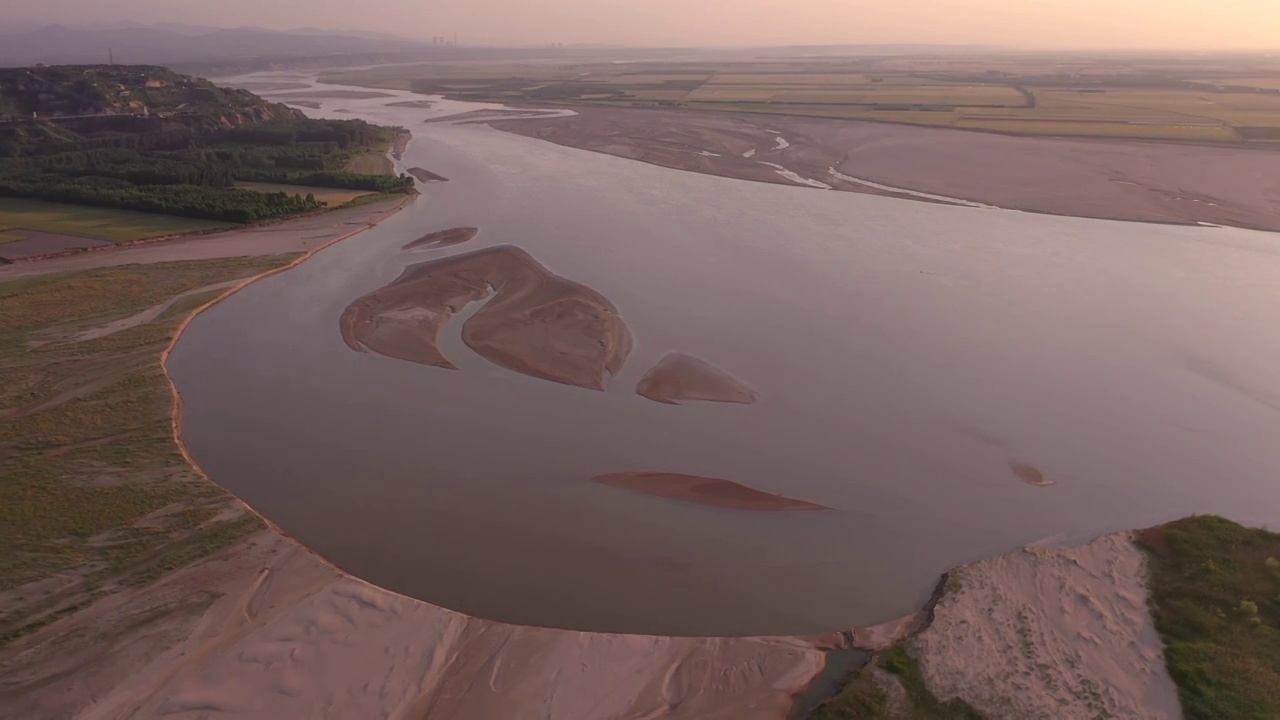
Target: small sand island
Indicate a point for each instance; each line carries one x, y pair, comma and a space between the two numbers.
425, 176
704, 491
443, 238
537, 324
412, 104
1030, 474
679, 376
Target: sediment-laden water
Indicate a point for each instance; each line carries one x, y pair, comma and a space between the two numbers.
915, 363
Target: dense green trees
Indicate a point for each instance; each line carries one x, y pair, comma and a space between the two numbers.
177, 167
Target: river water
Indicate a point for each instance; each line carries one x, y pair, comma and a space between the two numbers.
907, 354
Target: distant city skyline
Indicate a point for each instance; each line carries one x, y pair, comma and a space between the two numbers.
1030, 24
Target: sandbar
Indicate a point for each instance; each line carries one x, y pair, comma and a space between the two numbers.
537, 324
412, 104
424, 175
704, 491
679, 376
1030, 474
332, 94
1178, 183
443, 238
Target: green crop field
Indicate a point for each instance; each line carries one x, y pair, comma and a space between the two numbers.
97, 223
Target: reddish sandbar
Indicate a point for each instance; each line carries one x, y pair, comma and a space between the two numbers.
678, 376
443, 238
537, 323
704, 491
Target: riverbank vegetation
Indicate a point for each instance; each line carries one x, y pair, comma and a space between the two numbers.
1215, 596
96, 495
148, 140
891, 685
95, 223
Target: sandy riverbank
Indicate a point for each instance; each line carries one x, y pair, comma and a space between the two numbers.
537, 324
1114, 179
269, 631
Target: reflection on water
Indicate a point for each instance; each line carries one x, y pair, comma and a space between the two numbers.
914, 363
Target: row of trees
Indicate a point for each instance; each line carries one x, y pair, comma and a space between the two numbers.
187, 169
226, 204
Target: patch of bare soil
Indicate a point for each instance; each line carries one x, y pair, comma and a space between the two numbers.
1050, 632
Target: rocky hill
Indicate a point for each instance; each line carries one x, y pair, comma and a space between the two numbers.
65, 92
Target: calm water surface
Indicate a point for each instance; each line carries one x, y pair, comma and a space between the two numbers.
907, 353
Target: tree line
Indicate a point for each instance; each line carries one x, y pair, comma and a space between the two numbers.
152, 165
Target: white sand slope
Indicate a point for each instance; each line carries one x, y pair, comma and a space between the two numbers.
1051, 633
301, 641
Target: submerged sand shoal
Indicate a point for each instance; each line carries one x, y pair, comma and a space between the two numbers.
704, 491
425, 176
443, 238
679, 376
537, 324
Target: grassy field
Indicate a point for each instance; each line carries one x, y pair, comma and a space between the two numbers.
333, 196
96, 223
1208, 99
1215, 595
95, 494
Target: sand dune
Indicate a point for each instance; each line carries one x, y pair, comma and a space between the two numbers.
704, 491
537, 324
678, 376
1050, 633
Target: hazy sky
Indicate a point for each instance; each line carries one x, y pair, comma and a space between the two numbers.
1022, 23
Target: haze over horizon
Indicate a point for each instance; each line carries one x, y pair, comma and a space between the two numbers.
1045, 24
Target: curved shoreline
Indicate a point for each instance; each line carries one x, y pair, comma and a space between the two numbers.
777, 670
175, 415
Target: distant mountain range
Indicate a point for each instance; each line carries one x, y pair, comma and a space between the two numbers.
178, 44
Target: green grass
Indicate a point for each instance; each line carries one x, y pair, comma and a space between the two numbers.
96, 223
862, 699
1215, 595
78, 477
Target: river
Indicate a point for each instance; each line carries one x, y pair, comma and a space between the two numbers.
907, 354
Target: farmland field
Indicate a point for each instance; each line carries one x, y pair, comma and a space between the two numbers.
1214, 99
96, 223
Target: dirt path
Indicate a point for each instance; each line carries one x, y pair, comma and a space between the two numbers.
300, 235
